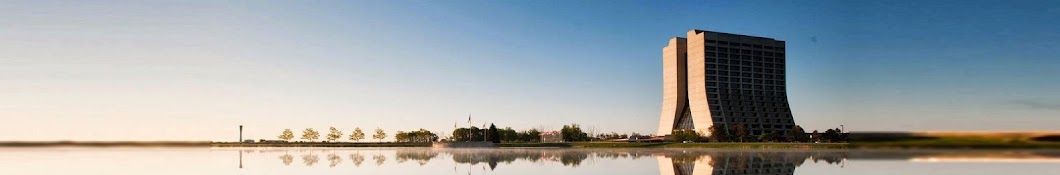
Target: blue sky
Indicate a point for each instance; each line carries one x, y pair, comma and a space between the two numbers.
194, 70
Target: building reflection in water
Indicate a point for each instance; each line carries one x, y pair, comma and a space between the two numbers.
739, 163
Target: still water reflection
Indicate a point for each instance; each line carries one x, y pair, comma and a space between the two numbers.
520, 161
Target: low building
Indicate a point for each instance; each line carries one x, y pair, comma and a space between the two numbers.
551, 137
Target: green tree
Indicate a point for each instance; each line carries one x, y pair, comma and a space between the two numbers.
531, 135
796, 134
493, 135
508, 134
769, 137
357, 135
718, 133
468, 134
379, 135
287, 135
402, 136
334, 134
815, 136
681, 135
742, 134
572, 133
310, 134
830, 135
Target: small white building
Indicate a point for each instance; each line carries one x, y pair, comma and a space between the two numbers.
551, 137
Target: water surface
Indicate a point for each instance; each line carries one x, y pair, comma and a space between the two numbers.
326, 161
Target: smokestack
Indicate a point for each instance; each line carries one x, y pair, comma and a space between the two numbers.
240, 133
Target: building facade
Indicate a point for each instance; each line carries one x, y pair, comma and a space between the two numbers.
724, 80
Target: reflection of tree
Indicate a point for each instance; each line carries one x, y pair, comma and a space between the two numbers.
379, 159
357, 159
287, 159
334, 159
684, 161
572, 158
507, 156
310, 159
420, 156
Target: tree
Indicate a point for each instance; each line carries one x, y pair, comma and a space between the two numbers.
796, 134
334, 134
422, 135
357, 135
718, 133
769, 137
815, 136
508, 134
830, 135
531, 135
401, 136
493, 135
681, 135
468, 134
741, 132
573, 132
379, 135
310, 134
287, 135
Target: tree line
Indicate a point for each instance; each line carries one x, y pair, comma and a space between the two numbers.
334, 134
739, 133
574, 133
493, 134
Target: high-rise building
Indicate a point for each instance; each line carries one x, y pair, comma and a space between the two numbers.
724, 80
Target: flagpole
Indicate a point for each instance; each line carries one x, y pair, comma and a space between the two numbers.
468, 127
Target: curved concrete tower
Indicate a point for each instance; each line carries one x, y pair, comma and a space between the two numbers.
714, 78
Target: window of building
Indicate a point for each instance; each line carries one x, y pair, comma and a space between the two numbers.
712, 48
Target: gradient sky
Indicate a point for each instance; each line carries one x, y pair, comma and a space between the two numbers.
194, 71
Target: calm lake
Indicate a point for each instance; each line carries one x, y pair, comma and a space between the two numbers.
529, 161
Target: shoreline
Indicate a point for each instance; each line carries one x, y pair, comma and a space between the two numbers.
855, 145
